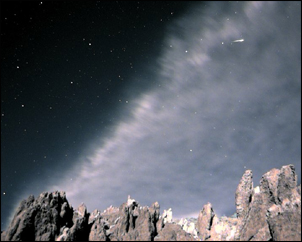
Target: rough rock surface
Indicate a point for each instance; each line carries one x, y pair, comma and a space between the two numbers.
167, 216
188, 226
244, 194
284, 217
223, 229
173, 232
210, 227
270, 211
275, 209
79, 230
129, 222
40, 219
205, 221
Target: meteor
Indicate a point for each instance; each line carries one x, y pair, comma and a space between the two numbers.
238, 40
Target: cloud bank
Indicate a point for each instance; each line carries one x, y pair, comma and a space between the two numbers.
216, 109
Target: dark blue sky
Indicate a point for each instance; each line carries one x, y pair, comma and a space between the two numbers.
149, 99
65, 67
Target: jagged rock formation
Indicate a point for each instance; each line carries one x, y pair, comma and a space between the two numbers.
129, 222
40, 219
210, 227
188, 226
270, 211
173, 232
167, 216
277, 192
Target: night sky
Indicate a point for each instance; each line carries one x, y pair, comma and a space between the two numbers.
153, 99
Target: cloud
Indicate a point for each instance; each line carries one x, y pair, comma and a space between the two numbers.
217, 109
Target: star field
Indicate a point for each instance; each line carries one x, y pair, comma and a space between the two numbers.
65, 67
159, 100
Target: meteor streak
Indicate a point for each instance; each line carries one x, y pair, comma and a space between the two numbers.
238, 40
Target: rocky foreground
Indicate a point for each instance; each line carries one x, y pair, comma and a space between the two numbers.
271, 211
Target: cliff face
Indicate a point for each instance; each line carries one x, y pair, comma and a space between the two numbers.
271, 211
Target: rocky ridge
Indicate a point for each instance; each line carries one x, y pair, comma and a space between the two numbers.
270, 211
